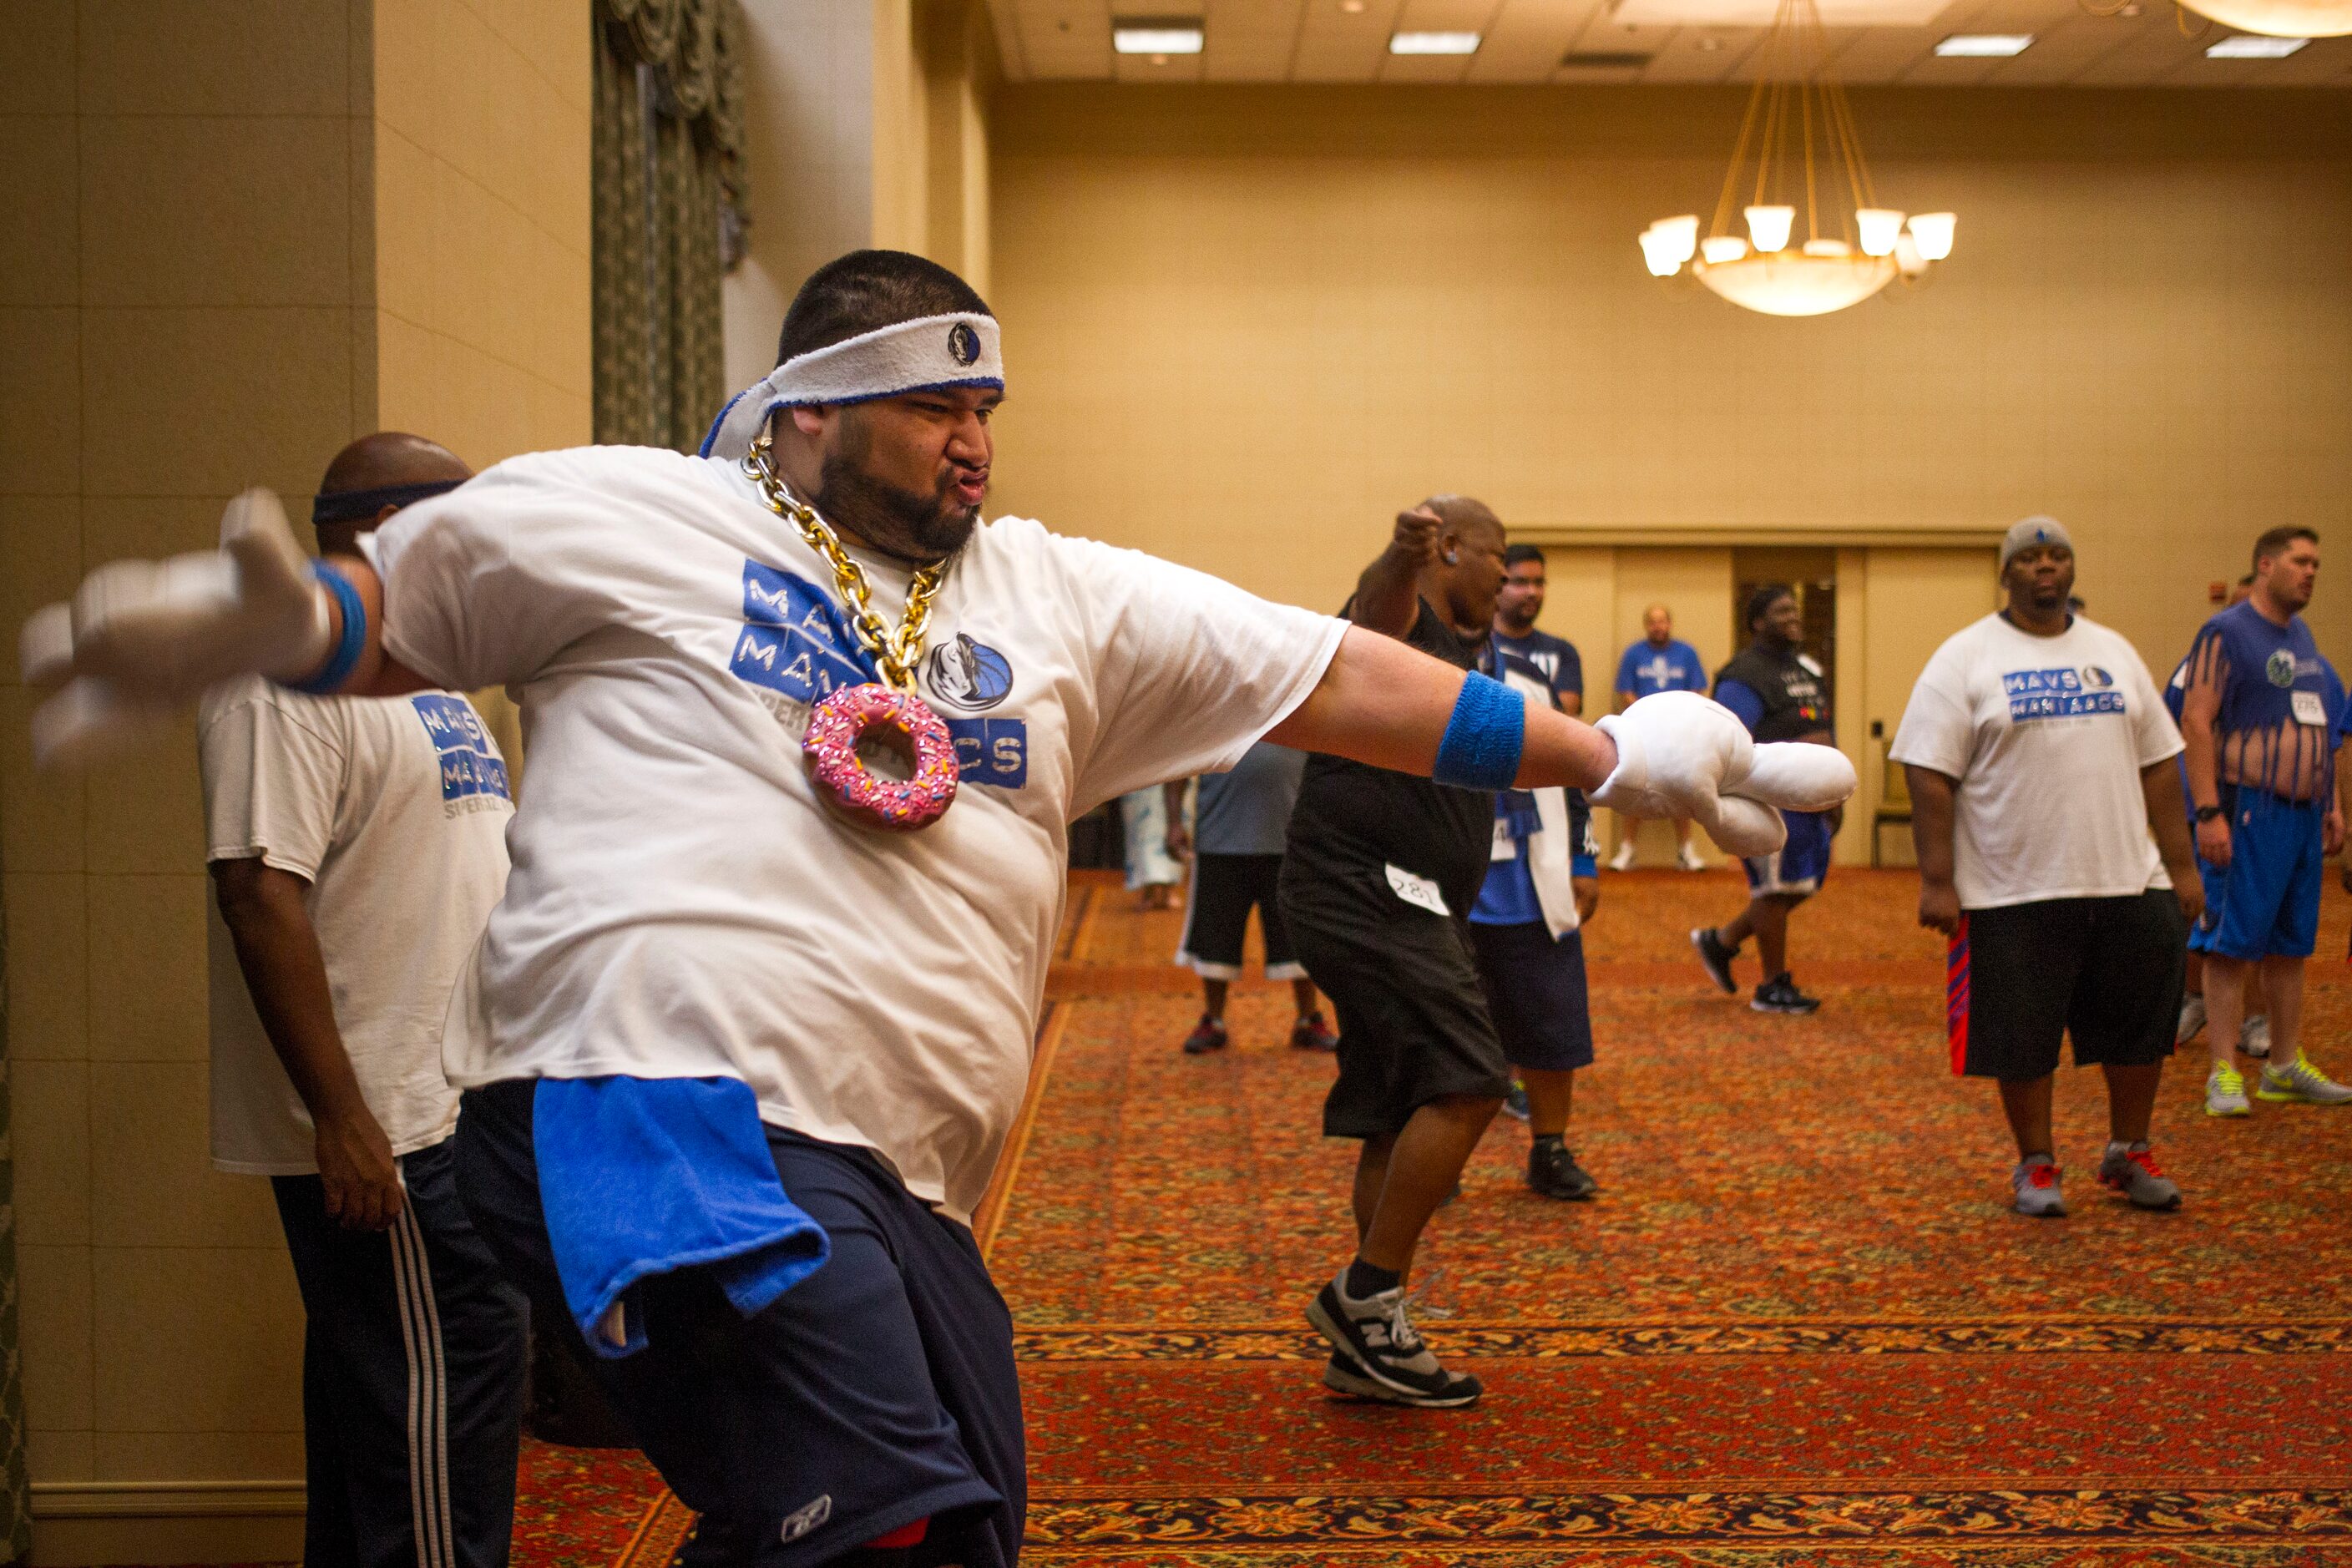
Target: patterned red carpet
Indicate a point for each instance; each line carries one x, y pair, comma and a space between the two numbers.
1799, 1325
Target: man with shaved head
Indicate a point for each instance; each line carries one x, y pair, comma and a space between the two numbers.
357, 846
1659, 662
1380, 873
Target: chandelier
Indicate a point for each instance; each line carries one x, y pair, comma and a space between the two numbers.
1798, 106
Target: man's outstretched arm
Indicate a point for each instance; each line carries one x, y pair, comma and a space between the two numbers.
1387, 703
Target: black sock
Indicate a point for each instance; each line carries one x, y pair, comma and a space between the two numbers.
1364, 1281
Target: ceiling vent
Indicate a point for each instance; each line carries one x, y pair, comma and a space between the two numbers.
1603, 60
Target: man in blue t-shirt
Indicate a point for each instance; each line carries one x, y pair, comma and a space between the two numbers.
1659, 662
2254, 1033
1516, 605
2262, 715
1526, 929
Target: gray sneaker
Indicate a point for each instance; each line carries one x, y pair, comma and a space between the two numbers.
2302, 1081
2254, 1037
2131, 1169
2225, 1091
2035, 1182
2192, 1019
1379, 1342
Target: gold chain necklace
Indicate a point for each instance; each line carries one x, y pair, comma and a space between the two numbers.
890, 714
896, 653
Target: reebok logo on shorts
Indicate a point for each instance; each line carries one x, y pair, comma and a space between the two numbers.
801, 1521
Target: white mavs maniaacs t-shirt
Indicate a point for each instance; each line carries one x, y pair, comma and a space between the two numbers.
394, 810
682, 904
2047, 737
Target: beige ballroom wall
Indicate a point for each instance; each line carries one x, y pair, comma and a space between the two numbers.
1243, 325
237, 234
866, 124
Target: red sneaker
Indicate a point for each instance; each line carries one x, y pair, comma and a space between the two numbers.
1312, 1034
1208, 1035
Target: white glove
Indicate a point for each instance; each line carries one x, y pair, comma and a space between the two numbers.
143, 639
1680, 755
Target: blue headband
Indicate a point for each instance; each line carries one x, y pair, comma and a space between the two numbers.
362, 506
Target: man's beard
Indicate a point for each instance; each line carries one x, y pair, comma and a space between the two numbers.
901, 522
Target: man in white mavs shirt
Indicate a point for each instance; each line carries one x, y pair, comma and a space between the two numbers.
739, 1068
357, 846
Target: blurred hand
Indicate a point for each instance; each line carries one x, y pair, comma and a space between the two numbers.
2214, 841
2190, 890
1179, 841
1939, 907
357, 1168
2331, 832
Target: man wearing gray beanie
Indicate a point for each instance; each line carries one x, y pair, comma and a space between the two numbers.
2064, 921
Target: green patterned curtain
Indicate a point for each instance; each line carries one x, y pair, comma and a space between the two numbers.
16, 1501
669, 213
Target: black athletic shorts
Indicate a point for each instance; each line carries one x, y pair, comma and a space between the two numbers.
1217, 918
2105, 973
1403, 982
878, 1391
1534, 994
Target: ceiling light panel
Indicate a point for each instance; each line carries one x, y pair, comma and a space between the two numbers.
1433, 42
1985, 46
2249, 47
1157, 35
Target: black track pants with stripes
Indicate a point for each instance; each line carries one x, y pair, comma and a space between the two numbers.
412, 1379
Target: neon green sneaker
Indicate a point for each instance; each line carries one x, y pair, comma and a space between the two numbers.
2302, 1082
2225, 1092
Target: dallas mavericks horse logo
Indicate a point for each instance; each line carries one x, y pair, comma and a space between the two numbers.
968, 675
2281, 669
963, 343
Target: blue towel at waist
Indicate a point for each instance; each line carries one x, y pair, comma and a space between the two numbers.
639, 1177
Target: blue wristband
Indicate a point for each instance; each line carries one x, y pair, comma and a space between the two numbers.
1483, 736
346, 656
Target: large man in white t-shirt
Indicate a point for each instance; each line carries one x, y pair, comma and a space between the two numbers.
739, 1067
357, 846
2040, 758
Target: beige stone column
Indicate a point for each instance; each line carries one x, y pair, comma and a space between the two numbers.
238, 236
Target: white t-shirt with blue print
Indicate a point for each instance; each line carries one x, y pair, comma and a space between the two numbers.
682, 903
394, 810
2046, 737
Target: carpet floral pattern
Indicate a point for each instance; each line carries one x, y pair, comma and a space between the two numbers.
1799, 1325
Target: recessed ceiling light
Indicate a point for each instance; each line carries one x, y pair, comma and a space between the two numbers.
1986, 46
1157, 35
1353, 8
2249, 47
1433, 42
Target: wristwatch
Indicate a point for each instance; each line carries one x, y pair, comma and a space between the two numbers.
2208, 812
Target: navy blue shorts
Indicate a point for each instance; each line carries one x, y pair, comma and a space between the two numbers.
2266, 901
878, 1391
1534, 994
1794, 870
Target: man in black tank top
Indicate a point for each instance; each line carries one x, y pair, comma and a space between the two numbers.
1379, 876
1781, 694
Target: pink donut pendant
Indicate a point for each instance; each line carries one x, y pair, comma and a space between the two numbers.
900, 720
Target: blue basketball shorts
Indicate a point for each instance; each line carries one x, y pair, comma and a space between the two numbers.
2266, 902
1797, 868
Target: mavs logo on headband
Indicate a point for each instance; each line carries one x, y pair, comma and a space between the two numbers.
963, 343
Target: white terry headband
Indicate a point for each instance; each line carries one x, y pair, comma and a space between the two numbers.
928, 354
